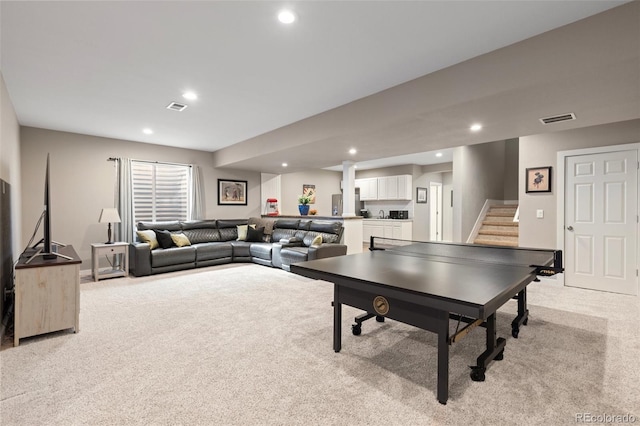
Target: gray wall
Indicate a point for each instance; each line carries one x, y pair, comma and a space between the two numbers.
10, 159
83, 182
10, 173
326, 182
478, 175
541, 150
511, 162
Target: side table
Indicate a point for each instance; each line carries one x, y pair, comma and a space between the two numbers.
115, 249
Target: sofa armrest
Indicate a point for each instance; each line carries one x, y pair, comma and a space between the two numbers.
276, 257
326, 250
291, 242
140, 259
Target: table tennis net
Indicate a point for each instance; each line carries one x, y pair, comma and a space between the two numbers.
465, 252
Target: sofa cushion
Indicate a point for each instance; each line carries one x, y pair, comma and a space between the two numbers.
282, 234
149, 237
173, 225
199, 224
291, 255
261, 250
215, 250
255, 235
286, 223
267, 224
173, 256
241, 249
202, 235
180, 239
164, 239
242, 232
228, 229
201, 231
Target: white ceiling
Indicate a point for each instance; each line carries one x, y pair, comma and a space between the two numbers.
110, 68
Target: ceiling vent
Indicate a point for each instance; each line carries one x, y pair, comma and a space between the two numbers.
176, 106
557, 118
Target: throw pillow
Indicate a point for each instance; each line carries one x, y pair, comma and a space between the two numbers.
180, 240
242, 232
255, 235
148, 237
317, 241
164, 239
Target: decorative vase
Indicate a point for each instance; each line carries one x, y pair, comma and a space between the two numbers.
304, 209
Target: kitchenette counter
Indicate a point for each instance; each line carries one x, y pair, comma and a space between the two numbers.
387, 220
311, 217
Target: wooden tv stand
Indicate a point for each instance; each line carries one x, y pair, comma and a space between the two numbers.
47, 295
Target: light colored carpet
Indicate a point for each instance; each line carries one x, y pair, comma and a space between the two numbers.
251, 345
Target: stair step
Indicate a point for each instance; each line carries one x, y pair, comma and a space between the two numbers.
500, 222
503, 233
496, 243
509, 228
500, 214
510, 207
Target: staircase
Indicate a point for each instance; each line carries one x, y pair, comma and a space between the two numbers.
498, 227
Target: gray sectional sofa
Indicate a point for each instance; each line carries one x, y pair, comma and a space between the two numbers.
277, 243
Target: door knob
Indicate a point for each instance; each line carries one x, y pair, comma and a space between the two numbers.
570, 228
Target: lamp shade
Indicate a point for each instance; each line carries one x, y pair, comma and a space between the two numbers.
109, 216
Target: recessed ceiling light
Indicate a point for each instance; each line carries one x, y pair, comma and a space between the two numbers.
286, 16
439, 154
190, 95
476, 127
284, 164
147, 131
352, 151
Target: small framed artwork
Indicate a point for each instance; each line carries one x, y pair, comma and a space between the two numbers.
310, 191
421, 195
232, 192
538, 179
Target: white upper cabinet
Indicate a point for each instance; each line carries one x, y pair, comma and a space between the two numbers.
395, 187
385, 188
368, 188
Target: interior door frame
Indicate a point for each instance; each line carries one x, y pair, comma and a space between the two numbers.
436, 203
560, 188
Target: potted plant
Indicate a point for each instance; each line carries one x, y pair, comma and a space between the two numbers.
303, 204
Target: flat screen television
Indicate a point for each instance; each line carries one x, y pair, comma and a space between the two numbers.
46, 247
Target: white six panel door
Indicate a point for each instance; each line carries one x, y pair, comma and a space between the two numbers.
601, 222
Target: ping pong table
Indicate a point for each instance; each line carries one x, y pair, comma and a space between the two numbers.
428, 284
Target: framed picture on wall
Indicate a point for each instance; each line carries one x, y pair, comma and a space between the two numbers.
310, 191
421, 195
538, 179
232, 192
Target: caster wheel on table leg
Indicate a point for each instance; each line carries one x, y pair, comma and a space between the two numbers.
356, 330
525, 321
500, 356
515, 332
477, 374
379, 318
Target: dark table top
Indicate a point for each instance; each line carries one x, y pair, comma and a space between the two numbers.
466, 274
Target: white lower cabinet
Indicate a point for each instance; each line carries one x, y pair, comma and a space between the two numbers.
387, 228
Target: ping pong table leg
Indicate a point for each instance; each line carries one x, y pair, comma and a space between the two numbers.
443, 359
494, 351
523, 314
337, 320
